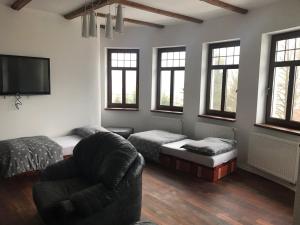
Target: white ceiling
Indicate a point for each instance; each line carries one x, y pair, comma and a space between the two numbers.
193, 8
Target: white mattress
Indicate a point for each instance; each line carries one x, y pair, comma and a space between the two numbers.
174, 149
67, 143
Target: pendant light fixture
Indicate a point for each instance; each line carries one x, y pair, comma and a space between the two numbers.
109, 26
93, 23
84, 25
119, 19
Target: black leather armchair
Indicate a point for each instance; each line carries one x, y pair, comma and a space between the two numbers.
100, 184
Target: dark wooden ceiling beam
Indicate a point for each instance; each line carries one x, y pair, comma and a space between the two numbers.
19, 4
227, 6
97, 4
160, 11
140, 22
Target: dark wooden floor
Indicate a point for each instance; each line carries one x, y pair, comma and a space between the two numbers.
175, 199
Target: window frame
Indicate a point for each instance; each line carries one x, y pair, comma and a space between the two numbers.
172, 69
210, 68
287, 122
122, 105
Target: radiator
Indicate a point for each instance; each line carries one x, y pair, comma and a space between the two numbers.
273, 155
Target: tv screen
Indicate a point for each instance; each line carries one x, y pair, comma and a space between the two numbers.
24, 75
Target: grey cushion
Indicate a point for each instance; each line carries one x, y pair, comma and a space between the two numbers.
87, 131
210, 146
125, 132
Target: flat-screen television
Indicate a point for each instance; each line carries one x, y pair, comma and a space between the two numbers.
24, 75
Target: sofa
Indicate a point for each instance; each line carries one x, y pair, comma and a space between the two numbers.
100, 184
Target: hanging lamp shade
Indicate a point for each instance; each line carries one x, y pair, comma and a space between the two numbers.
109, 27
119, 19
93, 24
84, 27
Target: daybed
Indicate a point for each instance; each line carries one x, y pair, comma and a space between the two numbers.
149, 143
166, 148
27, 154
211, 168
67, 143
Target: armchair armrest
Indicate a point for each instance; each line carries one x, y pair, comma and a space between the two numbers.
62, 170
92, 199
65, 208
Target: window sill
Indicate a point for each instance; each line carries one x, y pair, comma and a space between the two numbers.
122, 109
277, 128
166, 111
218, 118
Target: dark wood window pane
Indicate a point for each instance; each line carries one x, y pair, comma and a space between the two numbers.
216, 52
280, 56
178, 88
170, 79
296, 98
116, 86
165, 87
216, 89
283, 103
131, 78
231, 90
222, 79
280, 92
122, 78
281, 45
291, 44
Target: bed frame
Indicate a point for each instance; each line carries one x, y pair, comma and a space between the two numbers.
197, 170
33, 173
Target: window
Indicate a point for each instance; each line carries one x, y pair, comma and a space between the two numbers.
170, 79
123, 78
222, 79
283, 102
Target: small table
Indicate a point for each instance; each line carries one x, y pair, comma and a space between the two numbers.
125, 132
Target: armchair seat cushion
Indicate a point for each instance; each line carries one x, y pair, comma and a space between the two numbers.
49, 194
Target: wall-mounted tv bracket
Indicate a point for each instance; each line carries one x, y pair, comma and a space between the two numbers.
18, 102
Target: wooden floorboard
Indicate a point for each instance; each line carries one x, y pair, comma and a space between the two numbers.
172, 198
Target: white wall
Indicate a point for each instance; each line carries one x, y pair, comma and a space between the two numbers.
75, 76
248, 28
297, 203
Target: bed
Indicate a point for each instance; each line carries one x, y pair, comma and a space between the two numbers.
149, 143
30, 154
67, 143
211, 168
27, 154
167, 149
175, 149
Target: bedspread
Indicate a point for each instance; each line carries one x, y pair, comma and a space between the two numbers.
27, 154
149, 143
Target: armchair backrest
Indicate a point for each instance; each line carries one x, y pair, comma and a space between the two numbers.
104, 157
